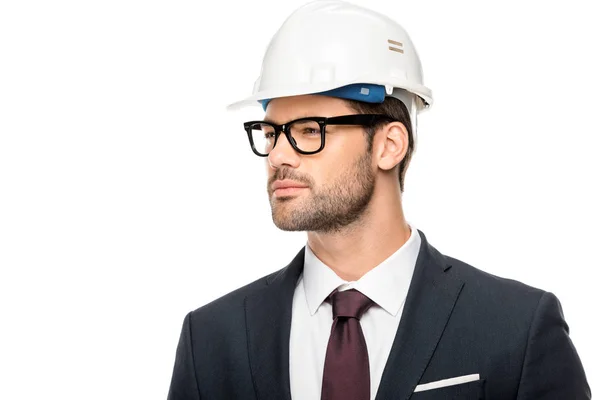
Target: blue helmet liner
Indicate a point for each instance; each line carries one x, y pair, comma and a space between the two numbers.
366, 92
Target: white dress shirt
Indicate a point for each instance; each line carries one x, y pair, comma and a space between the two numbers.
312, 318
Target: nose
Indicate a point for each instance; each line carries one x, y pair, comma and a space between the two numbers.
283, 153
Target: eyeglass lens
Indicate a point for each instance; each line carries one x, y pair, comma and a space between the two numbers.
306, 136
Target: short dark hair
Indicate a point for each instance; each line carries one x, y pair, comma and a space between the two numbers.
396, 109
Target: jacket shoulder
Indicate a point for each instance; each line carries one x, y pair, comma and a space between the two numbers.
240, 293
230, 306
493, 287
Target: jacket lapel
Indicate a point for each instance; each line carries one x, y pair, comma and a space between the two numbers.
268, 325
430, 300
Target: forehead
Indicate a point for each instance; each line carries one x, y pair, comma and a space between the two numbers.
284, 109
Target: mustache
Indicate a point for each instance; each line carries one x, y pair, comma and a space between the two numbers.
288, 173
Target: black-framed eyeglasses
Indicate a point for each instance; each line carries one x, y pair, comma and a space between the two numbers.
306, 135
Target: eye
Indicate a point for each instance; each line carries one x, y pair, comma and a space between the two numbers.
311, 131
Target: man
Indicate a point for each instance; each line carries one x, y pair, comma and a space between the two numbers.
368, 309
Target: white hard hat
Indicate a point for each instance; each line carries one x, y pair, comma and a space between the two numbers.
330, 44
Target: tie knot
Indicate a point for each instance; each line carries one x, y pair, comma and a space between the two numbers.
349, 303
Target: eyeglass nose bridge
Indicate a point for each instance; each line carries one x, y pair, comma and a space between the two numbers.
284, 128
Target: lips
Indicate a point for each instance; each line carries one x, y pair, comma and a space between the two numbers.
287, 184
287, 188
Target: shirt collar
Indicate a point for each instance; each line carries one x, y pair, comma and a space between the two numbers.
387, 284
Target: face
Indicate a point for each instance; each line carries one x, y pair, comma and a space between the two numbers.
333, 187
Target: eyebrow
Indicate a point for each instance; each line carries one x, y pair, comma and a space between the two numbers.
293, 119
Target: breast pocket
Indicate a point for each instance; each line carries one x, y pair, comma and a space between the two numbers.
463, 391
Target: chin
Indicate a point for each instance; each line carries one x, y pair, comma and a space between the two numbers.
284, 204
284, 224
283, 220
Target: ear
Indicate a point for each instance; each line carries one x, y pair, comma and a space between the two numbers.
393, 145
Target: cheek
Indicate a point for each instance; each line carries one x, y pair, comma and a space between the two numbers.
341, 153
329, 169
346, 142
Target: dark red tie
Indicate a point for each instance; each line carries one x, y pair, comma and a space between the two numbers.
346, 373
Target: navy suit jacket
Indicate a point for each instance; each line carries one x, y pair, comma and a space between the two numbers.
457, 320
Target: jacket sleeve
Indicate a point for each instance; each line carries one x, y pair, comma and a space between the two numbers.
184, 385
551, 368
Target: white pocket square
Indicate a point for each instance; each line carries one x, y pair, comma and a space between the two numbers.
447, 382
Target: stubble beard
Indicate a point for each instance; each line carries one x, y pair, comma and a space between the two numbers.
331, 208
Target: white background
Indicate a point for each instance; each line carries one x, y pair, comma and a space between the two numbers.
129, 196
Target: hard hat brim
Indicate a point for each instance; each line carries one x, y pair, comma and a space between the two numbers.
254, 100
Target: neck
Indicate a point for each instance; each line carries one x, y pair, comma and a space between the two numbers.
361, 246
